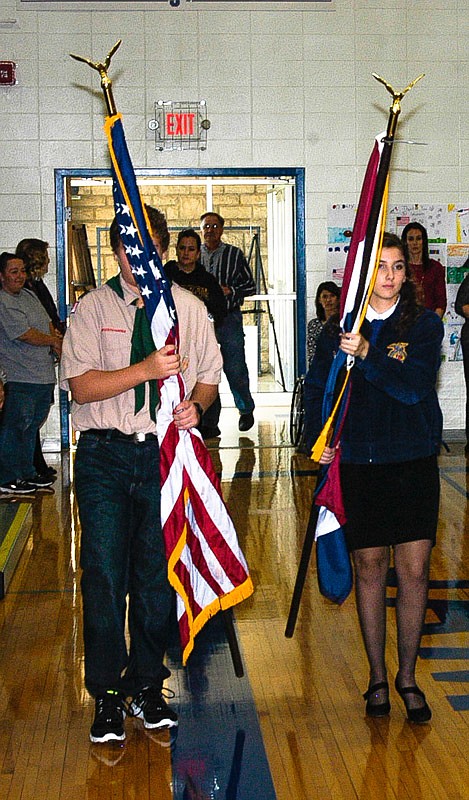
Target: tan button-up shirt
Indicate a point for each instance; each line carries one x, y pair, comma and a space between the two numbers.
99, 338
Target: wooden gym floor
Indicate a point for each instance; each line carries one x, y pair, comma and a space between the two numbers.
293, 728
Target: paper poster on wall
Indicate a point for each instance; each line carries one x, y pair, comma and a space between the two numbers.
336, 258
451, 345
340, 221
435, 218
438, 252
462, 225
456, 257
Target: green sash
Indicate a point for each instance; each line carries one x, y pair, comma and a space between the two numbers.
142, 346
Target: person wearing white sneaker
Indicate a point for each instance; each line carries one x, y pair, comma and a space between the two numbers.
28, 347
150, 705
107, 357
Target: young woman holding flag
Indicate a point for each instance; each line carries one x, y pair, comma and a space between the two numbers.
389, 472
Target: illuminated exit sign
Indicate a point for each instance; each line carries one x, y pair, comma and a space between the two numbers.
180, 126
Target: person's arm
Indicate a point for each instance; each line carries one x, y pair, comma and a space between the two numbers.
439, 289
95, 385
315, 384
240, 280
38, 339
407, 369
461, 304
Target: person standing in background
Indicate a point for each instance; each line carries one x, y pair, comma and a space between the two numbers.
327, 304
35, 256
229, 266
188, 272
462, 307
28, 346
427, 273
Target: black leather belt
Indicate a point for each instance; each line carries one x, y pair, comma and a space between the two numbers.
112, 434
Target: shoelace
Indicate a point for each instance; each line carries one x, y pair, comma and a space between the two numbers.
149, 696
112, 706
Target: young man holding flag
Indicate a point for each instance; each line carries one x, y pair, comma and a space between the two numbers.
112, 369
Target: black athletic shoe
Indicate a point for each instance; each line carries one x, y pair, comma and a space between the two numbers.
108, 725
246, 421
150, 705
40, 481
18, 487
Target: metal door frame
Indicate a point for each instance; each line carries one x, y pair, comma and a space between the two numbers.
298, 173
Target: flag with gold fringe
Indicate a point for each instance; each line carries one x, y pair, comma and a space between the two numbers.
333, 562
206, 566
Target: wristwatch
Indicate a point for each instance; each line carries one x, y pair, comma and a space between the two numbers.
199, 408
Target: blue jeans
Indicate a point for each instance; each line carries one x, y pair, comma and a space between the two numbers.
117, 486
26, 408
230, 336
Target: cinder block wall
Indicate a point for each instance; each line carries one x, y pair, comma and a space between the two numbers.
283, 88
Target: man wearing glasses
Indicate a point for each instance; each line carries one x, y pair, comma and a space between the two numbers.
229, 266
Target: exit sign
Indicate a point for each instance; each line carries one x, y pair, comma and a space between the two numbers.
180, 125
7, 73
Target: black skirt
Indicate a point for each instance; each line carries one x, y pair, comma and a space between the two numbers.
387, 504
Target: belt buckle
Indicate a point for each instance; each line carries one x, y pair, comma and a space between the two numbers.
139, 437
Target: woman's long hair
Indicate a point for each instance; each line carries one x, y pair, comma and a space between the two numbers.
425, 252
34, 254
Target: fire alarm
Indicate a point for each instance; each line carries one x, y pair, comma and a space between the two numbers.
7, 73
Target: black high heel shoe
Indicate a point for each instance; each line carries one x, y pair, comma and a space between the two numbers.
377, 709
419, 715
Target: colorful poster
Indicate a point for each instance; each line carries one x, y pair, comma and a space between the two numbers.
435, 218
456, 257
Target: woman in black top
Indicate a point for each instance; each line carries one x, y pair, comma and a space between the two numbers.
188, 272
388, 465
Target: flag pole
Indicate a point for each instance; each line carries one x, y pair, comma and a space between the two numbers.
377, 199
106, 85
383, 172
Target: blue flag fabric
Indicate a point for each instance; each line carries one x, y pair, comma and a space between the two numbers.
333, 560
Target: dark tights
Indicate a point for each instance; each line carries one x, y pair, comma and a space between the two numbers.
411, 561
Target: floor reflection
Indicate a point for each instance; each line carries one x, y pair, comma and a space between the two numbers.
219, 752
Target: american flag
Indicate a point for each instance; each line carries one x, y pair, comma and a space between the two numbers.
359, 277
206, 566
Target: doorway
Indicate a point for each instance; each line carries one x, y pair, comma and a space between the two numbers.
264, 213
